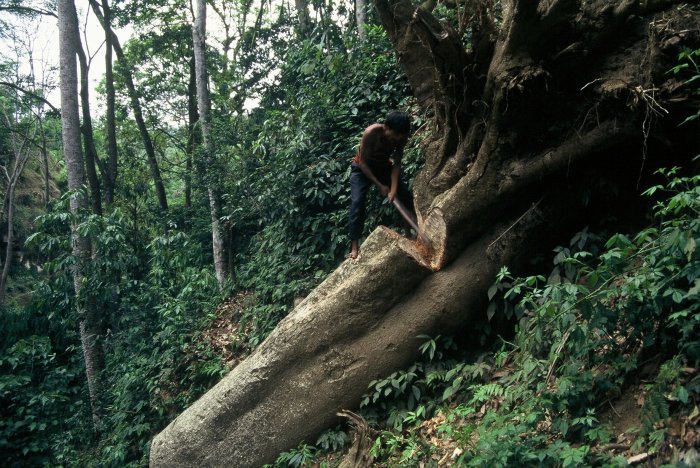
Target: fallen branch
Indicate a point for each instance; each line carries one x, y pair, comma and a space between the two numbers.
358, 456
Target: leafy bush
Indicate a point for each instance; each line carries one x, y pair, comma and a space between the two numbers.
688, 65
154, 298
37, 391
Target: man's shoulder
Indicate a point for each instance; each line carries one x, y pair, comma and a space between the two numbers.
374, 129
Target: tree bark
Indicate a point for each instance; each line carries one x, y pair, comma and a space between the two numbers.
537, 127
136, 108
361, 18
89, 319
203, 105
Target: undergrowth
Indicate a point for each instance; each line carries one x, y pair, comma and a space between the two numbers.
584, 334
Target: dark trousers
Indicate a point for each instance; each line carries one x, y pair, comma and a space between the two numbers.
359, 185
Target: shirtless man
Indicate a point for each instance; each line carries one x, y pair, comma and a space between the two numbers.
378, 162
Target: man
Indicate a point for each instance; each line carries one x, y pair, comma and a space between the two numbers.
378, 162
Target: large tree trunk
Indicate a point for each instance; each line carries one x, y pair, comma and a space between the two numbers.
203, 104
89, 318
537, 127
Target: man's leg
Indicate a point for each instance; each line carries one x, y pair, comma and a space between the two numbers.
403, 194
359, 184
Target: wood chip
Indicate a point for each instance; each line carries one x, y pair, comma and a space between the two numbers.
639, 458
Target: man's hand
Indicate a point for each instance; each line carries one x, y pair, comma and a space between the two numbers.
391, 195
384, 190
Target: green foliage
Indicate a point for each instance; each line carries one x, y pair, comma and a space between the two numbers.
688, 65
656, 406
397, 449
37, 390
408, 397
303, 455
332, 440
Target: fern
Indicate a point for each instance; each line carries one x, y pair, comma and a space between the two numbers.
486, 392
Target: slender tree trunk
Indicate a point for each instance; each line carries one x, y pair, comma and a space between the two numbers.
193, 139
89, 318
91, 157
204, 103
45, 164
10, 240
111, 176
361, 18
21, 157
136, 107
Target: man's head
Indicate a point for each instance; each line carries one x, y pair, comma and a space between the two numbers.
399, 123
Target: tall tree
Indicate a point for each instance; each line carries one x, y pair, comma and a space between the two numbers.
136, 108
199, 29
89, 318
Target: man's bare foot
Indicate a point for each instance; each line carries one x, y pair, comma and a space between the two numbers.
354, 250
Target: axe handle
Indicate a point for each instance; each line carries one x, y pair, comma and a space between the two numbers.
407, 216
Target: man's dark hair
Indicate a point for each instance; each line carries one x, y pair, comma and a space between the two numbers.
399, 122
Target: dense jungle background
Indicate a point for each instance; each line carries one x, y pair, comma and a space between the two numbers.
142, 265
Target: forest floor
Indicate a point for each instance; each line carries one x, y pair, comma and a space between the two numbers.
226, 333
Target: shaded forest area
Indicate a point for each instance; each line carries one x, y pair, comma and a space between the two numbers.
152, 242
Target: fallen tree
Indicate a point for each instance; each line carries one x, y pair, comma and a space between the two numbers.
553, 117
